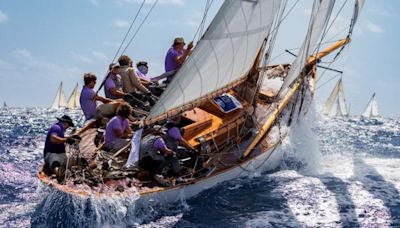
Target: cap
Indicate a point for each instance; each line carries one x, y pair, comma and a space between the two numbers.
66, 119
179, 40
113, 65
141, 63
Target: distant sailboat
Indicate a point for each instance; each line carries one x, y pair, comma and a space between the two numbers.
73, 101
335, 105
371, 110
60, 101
4, 105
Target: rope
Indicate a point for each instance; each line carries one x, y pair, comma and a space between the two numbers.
328, 81
140, 26
203, 20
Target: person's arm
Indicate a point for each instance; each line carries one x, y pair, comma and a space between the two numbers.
136, 82
186, 53
117, 93
167, 152
102, 99
54, 138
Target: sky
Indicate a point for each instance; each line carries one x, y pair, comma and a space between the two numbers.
44, 42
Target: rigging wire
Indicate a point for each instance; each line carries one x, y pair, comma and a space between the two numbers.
140, 26
200, 28
129, 30
326, 82
120, 46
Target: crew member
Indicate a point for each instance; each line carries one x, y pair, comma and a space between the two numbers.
114, 84
55, 157
118, 131
176, 55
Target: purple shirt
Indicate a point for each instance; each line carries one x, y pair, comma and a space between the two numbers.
113, 81
174, 133
170, 63
116, 123
88, 102
159, 143
142, 76
49, 147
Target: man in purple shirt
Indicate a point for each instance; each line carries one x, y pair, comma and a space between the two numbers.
54, 147
89, 97
118, 131
176, 55
113, 84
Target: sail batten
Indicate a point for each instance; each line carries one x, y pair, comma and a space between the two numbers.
225, 53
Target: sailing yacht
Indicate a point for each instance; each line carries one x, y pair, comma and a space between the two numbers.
73, 101
230, 62
371, 111
335, 105
59, 100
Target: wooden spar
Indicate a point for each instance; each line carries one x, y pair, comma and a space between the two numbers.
196, 103
271, 120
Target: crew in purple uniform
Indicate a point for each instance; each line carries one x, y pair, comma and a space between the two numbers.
118, 130
113, 85
54, 147
176, 55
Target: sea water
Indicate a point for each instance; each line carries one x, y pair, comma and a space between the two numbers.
341, 172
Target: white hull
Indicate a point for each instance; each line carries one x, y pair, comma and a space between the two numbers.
264, 162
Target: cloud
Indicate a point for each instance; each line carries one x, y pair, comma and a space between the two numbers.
99, 55
94, 2
120, 23
81, 58
3, 17
22, 54
372, 27
29, 62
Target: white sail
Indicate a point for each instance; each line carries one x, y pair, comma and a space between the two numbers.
372, 108
331, 100
357, 9
60, 100
339, 108
224, 55
319, 20
342, 100
73, 101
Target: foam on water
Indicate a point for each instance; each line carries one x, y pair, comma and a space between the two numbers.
336, 172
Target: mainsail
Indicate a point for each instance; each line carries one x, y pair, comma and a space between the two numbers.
337, 95
59, 101
73, 101
223, 56
372, 108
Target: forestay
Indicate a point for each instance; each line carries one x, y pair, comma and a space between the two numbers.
60, 100
318, 22
224, 55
